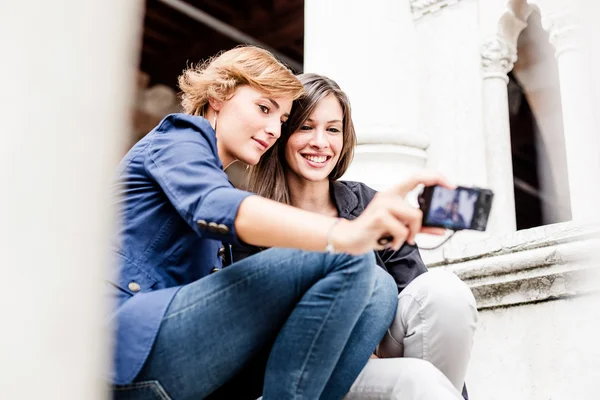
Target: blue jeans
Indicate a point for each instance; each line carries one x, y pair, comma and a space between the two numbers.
289, 323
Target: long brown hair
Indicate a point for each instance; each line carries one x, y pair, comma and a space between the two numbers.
267, 178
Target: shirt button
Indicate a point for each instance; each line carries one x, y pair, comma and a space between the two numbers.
201, 224
221, 252
134, 286
215, 269
212, 227
222, 229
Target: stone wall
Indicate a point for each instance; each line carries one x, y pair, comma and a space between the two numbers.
537, 294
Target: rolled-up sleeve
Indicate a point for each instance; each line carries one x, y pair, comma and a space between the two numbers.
183, 161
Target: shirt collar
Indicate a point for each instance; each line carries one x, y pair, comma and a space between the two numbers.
345, 200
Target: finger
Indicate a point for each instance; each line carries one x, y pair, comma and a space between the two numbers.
444, 182
433, 231
409, 215
400, 239
425, 177
385, 240
397, 230
414, 226
398, 207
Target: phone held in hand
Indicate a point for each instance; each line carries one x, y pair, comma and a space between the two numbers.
456, 209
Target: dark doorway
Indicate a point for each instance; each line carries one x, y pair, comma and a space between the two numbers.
523, 129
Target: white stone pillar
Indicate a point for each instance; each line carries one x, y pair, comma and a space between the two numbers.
370, 50
66, 77
498, 58
582, 138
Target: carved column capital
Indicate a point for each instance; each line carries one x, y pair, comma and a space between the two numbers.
564, 29
498, 57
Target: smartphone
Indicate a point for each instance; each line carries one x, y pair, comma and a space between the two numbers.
456, 209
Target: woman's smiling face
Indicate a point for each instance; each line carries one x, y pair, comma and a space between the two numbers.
313, 150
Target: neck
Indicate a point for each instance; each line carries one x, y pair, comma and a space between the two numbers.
311, 196
224, 156
226, 160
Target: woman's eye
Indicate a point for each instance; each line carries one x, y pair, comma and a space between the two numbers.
264, 109
334, 130
305, 128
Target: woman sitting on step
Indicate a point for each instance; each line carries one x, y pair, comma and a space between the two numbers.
436, 316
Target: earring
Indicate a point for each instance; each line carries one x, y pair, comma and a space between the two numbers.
215, 122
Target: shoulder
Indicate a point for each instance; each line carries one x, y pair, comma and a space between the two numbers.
183, 133
363, 192
352, 197
183, 122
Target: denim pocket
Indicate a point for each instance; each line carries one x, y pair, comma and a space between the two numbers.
147, 390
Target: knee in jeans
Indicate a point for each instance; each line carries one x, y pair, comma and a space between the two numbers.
357, 268
364, 259
361, 264
386, 287
385, 294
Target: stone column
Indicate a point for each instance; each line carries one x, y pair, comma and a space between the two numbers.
582, 138
498, 57
67, 77
370, 50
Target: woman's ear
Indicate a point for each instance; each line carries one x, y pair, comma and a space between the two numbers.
215, 104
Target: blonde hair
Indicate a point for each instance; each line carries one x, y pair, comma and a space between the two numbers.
219, 77
267, 178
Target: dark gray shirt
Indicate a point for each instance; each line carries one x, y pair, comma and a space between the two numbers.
351, 199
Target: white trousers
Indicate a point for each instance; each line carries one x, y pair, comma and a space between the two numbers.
426, 351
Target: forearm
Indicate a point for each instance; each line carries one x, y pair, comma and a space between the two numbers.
263, 222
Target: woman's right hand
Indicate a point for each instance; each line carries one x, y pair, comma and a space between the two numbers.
388, 214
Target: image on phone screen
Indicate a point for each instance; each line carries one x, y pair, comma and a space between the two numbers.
452, 209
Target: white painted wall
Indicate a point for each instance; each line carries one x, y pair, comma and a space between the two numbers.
369, 49
450, 97
538, 292
450, 91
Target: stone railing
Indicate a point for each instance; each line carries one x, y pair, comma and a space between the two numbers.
539, 264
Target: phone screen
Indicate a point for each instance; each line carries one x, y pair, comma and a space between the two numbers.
452, 208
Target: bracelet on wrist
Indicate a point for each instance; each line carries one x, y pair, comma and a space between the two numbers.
329, 247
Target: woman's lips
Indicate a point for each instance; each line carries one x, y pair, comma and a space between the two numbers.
262, 144
317, 161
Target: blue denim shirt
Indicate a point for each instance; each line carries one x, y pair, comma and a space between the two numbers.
176, 206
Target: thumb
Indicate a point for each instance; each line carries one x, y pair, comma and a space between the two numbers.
424, 177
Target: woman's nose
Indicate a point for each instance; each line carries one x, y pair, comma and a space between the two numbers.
274, 129
319, 139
